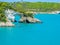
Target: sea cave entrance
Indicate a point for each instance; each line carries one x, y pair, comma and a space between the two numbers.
17, 17
12, 15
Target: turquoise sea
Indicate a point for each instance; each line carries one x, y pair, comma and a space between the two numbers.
46, 33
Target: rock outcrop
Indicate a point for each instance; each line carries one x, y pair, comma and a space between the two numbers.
8, 23
29, 20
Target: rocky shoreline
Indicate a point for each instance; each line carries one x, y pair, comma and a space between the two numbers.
8, 23
22, 20
29, 20
52, 12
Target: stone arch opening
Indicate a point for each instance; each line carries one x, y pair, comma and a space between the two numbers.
12, 15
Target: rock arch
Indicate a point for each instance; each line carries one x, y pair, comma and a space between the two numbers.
10, 14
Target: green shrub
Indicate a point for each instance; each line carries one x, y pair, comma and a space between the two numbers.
2, 18
28, 14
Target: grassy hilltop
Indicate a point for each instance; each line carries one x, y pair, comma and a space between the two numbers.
31, 6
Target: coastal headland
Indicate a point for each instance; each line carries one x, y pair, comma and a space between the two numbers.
27, 9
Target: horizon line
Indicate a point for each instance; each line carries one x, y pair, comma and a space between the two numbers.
31, 1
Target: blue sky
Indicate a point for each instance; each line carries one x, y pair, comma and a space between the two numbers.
33, 0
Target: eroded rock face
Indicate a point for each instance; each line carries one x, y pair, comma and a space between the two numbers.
10, 14
8, 23
29, 20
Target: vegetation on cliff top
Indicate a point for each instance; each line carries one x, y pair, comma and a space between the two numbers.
28, 6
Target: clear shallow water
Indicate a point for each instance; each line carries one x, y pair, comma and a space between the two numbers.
47, 33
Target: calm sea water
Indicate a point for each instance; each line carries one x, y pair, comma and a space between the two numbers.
47, 33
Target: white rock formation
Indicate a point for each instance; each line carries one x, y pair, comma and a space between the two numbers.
10, 14
8, 23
